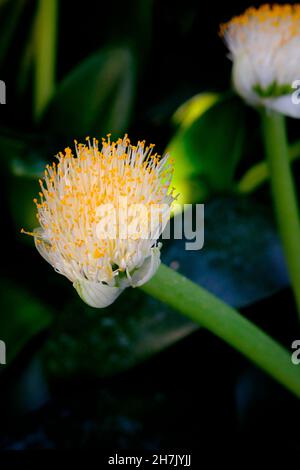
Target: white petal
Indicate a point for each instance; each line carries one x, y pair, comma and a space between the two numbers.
148, 268
96, 294
284, 105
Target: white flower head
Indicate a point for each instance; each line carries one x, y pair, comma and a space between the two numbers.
101, 212
264, 45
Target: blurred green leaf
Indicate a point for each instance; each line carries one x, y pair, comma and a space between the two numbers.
96, 97
259, 172
21, 192
135, 327
141, 26
26, 61
45, 52
22, 317
230, 263
10, 148
22, 155
22, 168
207, 150
108, 341
23, 160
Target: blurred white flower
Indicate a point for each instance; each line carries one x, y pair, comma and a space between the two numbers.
96, 251
264, 45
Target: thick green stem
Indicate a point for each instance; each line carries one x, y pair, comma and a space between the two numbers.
213, 314
45, 54
284, 194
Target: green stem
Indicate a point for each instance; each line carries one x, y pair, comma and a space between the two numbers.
45, 54
213, 314
284, 194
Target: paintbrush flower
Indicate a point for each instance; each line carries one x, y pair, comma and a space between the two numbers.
101, 211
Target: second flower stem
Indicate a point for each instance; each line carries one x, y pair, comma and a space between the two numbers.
284, 194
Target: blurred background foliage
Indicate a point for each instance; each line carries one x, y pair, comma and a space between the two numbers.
158, 71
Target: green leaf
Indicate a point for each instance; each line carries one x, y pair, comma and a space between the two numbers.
21, 192
24, 163
23, 155
207, 151
104, 342
258, 174
193, 108
96, 97
230, 263
21, 318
